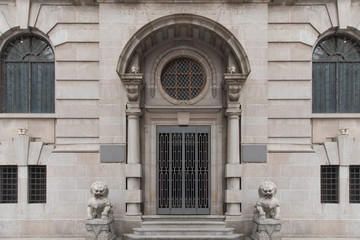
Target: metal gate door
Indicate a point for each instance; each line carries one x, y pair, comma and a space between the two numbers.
183, 161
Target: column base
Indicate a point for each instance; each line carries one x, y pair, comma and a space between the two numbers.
100, 229
266, 229
232, 214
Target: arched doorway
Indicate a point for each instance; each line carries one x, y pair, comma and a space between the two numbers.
183, 74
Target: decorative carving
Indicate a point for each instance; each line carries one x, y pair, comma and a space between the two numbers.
267, 205
152, 90
267, 223
214, 88
344, 131
99, 229
99, 205
132, 92
135, 69
231, 69
266, 229
134, 83
232, 85
22, 131
234, 92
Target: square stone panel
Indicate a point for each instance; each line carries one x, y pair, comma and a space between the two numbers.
113, 153
254, 153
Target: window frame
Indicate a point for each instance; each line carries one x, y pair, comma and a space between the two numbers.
14, 181
354, 184
339, 58
37, 184
329, 185
175, 53
32, 63
177, 87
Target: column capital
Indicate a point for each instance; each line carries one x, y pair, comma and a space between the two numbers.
133, 112
233, 112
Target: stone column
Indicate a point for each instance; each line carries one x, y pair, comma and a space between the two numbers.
233, 162
133, 170
232, 85
133, 153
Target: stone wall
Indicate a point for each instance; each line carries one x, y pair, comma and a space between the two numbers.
88, 39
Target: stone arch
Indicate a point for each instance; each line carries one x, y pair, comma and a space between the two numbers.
13, 32
183, 27
146, 53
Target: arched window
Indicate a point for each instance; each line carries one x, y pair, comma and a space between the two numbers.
27, 83
183, 79
336, 75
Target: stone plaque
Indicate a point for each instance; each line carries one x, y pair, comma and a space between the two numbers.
113, 153
254, 153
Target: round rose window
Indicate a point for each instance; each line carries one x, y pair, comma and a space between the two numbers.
183, 79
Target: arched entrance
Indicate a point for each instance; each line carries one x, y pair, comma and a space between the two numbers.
183, 75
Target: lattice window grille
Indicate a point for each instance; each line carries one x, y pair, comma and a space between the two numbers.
183, 79
354, 182
329, 184
37, 184
8, 184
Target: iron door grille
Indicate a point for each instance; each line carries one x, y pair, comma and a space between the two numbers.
183, 168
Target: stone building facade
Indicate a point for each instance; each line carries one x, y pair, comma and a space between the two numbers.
244, 105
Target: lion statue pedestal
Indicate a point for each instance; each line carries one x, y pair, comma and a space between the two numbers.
100, 221
267, 223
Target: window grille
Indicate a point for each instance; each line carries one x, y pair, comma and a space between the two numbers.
354, 182
329, 184
183, 79
336, 75
27, 82
9, 184
37, 184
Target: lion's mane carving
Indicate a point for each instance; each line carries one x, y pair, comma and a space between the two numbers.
99, 205
267, 206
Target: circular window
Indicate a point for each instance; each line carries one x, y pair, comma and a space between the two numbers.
183, 79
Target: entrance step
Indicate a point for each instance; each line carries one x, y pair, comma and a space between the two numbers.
183, 227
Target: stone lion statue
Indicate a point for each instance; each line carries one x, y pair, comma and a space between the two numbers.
99, 205
267, 206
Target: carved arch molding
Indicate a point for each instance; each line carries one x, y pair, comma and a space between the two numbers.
182, 29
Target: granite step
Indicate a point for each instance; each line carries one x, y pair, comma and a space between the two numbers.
183, 227
188, 237
207, 218
187, 224
180, 230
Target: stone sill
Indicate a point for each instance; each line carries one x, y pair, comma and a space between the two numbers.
28, 115
334, 115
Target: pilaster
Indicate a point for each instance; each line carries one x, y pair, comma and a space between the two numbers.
134, 83
232, 85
